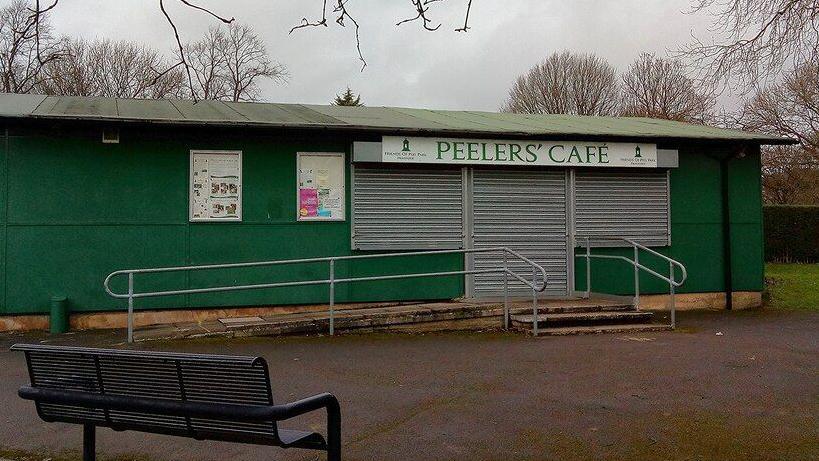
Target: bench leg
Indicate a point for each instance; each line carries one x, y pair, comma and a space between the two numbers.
89, 442
333, 433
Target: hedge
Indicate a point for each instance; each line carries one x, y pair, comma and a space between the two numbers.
791, 233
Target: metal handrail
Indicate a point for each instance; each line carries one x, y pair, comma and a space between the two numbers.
671, 279
332, 280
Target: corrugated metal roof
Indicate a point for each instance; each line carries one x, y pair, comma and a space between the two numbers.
376, 119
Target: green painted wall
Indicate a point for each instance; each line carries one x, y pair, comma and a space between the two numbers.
81, 209
697, 230
747, 239
3, 242
73, 209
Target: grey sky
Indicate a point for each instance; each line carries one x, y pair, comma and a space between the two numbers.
408, 66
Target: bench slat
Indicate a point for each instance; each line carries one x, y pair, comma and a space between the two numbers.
156, 375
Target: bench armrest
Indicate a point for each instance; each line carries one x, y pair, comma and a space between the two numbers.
243, 413
306, 405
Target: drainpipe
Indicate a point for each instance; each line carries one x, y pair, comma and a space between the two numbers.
726, 224
726, 233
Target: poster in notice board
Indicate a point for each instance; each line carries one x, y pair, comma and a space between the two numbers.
320, 195
216, 186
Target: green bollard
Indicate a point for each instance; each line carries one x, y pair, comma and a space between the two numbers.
58, 322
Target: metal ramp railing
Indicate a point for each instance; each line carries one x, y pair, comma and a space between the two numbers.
538, 272
673, 283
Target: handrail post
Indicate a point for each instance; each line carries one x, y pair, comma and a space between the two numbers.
671, 290
505, 291
535, 318
588, 268
636, 277
332, 294
130, 307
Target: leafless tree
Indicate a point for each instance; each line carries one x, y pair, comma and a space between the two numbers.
659, 88
339, 9
566, 83
113, 69
26, 45
228, 64
755, 40
789, 176
790, 108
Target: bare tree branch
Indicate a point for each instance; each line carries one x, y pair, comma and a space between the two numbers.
341, 9
34, 30
227, 65
466, 27
112, 69
180, 48
755, 40
659, 88
421, 9
306, 23
36, 20
196, 7
566, 83
27, 46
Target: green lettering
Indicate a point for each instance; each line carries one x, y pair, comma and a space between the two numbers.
551, 153
499, 151
514, 150
442, 151
483, 152
590, 153
604, 156
575, 154
531, 152
472, 148
457, 150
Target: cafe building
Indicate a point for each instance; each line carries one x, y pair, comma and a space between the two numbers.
95, 185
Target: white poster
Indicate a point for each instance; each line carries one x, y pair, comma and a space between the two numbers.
216, 186
320, 191
495, 152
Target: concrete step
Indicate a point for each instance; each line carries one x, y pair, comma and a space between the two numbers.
568, 309
444, 315
598, 329
583, 318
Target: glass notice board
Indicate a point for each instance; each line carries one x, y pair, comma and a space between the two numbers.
215, 186
320, 195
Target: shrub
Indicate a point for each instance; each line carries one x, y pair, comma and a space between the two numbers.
791, 233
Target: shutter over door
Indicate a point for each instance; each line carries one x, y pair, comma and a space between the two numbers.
407, 209
627, 204
524, 211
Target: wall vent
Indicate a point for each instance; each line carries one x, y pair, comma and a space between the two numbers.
110, 136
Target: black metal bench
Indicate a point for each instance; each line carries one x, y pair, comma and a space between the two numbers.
204, 397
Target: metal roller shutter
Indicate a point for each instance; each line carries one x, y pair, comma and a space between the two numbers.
524, 211
407, 209
622, 204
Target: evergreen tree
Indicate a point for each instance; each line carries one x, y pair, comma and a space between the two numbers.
348, 99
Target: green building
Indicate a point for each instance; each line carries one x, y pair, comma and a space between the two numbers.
95, 185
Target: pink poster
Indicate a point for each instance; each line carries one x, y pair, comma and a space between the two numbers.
308, 202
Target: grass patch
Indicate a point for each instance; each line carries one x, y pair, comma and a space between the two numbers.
792, 286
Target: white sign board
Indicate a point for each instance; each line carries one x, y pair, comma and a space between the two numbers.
396, 149
215, 185
320, 195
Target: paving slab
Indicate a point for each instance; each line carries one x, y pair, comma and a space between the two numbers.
747, 394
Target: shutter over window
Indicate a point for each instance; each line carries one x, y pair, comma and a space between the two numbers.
627, 204
407, 209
